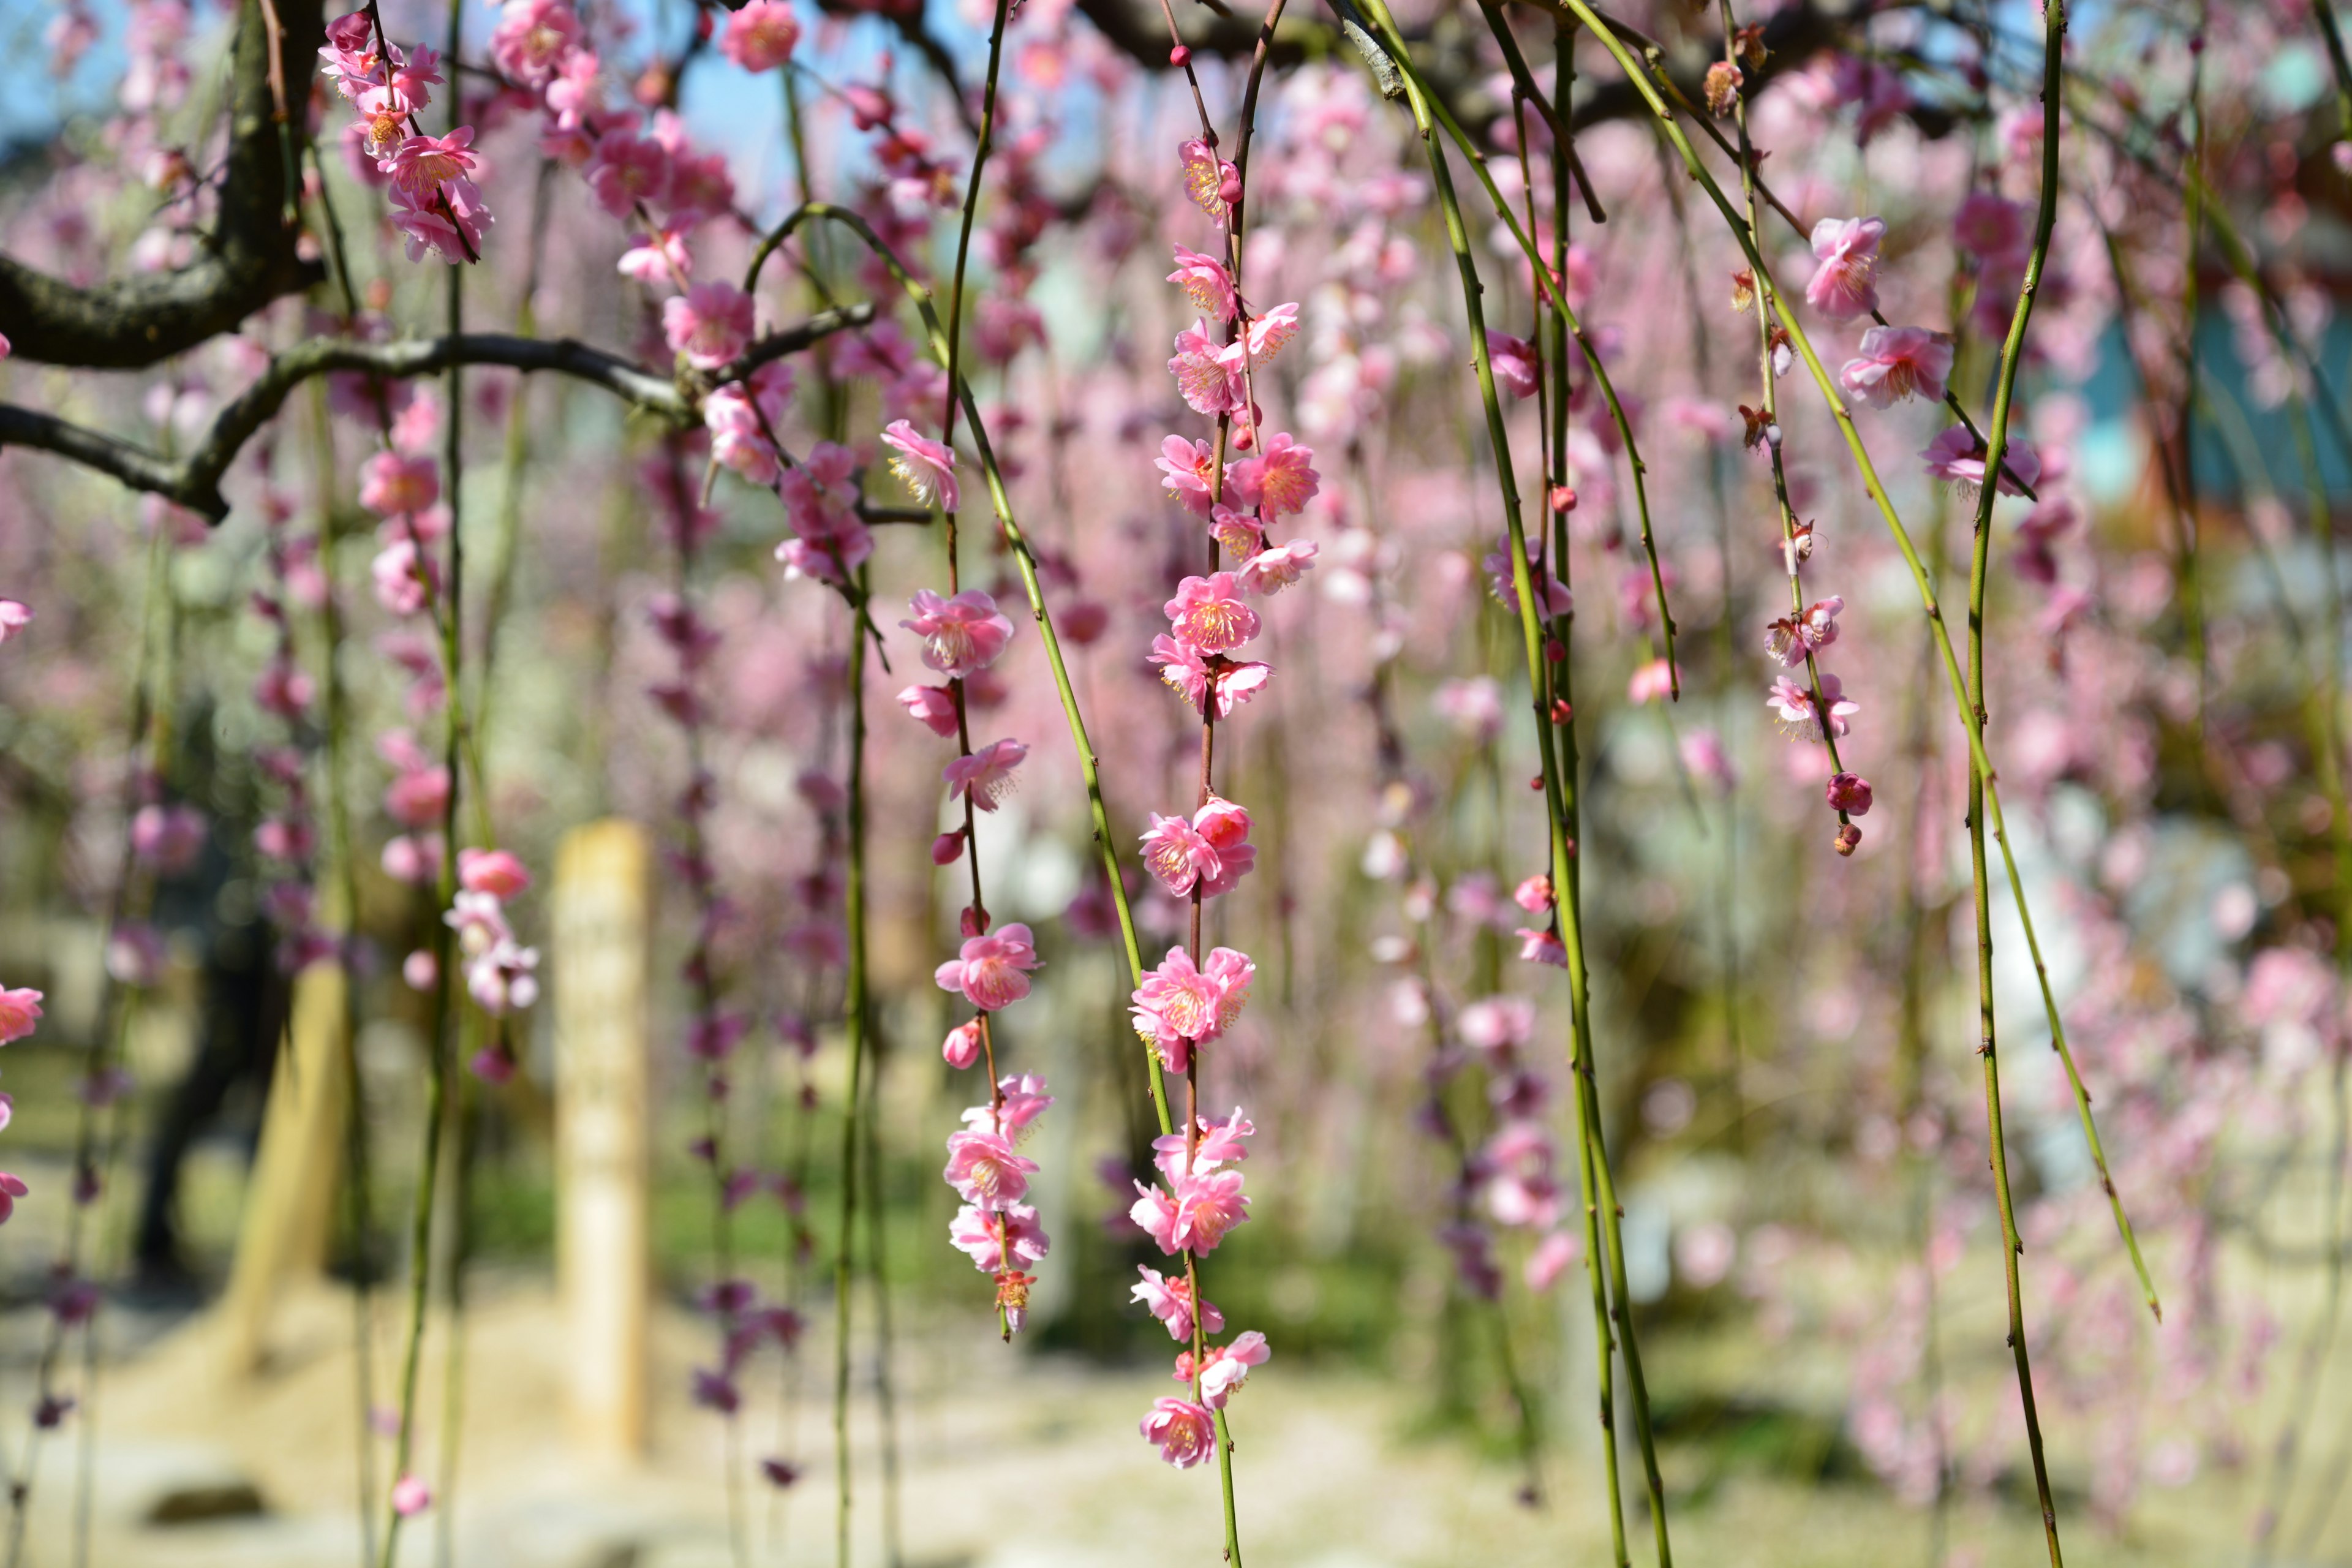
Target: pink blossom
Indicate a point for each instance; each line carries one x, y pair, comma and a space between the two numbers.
1213, 850
394, 486
410, 1496
1207, 177
1541, 946
1235, 681
760, 37
1791, 637
1216, 1144
1958, 457
926, 467
983, 1237
1271, 571
1989, 227
1550, 1258
1896, 363
1020, 1100
1154, 1213
1237, 533
418, 798
1208, 1205
13, 618
626, 172
933, 706
1209, 385
1185, 1432
1849, 792
167, 838
413, 858
1794, 705
1170, 1299
1847, 283
1497, 1023
985, 1170
420, 166
961, 1048
659, 259
449, 221
1514, 361
986, 775
821, 499
20, 1012
710, 323
1649, 682
1533, 894
533, 39
1179, 1006
1206, 283
992, 970
1209, 614
404, 583
960, 636
493, 871
501, 978
1189, 467
1279, 480
1228, 1367
1553, 595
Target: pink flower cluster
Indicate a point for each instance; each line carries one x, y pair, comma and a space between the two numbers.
994, 1229
435, 203
500, 973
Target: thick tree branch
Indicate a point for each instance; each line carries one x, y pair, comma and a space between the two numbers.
246, 261
193, 481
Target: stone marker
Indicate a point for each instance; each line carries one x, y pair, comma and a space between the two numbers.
289, 1208
601, 927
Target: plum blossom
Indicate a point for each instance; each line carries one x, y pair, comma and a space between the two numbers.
1958, 457
983, 1237
1212, 851
13, 618
1898, 363
983, 1168
1278, 481
760, 37
926, 467
1209, 614
1190, 469
1234, 681
1170, 1299
985, 776
1206, 283
1514, 361
20, 1013
1846, 285
1849, 792
1228, 1367
1791, 637
932, 706
1271, 571
1180, 1005
992, 969
1186, 1432
1794, 706
960, 636
710, 323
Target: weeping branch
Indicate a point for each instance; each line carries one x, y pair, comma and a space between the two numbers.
193, 481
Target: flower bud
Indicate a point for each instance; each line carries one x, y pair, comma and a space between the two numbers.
1848, 836
1179, 56
961, 1049
948, 848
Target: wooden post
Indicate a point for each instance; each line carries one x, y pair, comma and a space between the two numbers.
290, 1212
601, 926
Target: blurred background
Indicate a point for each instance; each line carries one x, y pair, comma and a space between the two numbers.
200, 1353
